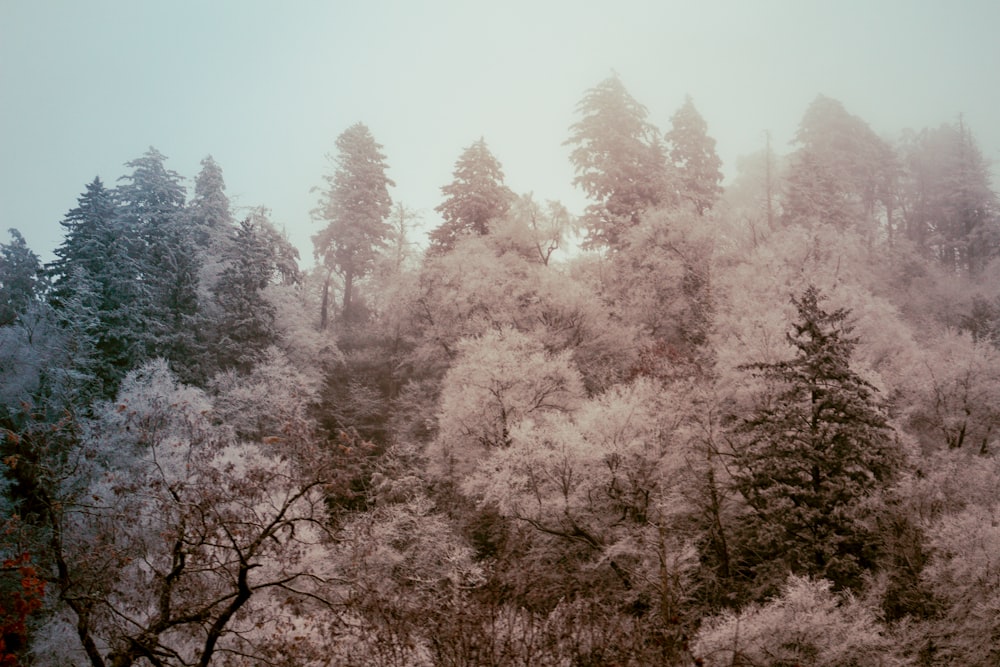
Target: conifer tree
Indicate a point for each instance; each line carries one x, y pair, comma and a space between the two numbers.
475, 197
97, 289
355, 206
210, 212
618, 159
692, 154
246, 327
19, 277
817, 445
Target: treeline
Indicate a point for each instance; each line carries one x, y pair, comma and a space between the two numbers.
751, 425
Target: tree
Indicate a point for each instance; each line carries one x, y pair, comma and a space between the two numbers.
618, 159
950, 209
172, 543
476, 197
355, 206
152, 216
90, 234
840, 173
97, 288
808, 624
499, 380
20, 273
210, 212
533, 230
246, 323
814, 448
692, 154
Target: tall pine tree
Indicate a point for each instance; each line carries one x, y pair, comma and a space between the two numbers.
475, 197
815, 447
354, 207
692, 155
618, 159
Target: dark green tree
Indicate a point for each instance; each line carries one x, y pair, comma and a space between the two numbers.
89, 232
812, 451
475, 197
246, 326
692, 154
20, 273
619, 161
97, 289
354, 207
151, 209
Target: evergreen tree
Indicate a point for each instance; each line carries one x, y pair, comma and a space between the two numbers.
950, 208
692, 154
816, 446
151, 209
618, 159
355, 206
20, 272
209, 208
475, 197
841, 173
98, 292
90, 230
246, 327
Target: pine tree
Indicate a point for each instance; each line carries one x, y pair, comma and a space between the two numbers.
89, 232
151, 210
951, 209
475, 197
209, 208
817, 445
246, 327
692, 154
355, 206
98, 293
840, 174
20, 273
618, 159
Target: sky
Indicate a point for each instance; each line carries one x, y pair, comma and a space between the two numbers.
266, 87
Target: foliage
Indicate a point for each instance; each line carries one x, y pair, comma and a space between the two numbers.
807, 624
354, 207
474, 199
20, 273
692, 154
816, 445
618, 159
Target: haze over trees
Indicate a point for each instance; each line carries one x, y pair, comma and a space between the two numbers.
751, 424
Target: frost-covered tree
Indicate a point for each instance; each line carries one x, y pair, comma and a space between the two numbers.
172, 543
499, 380
692, 153
807, 624
98, 291
354, 207
473, 200
152, 216
950, 208
841, 172
209, 208
814, 448
245, 327
618, 159
20, 275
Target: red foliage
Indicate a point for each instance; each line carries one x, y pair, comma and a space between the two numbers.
21, 593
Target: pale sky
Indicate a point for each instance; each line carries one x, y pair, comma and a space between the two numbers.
266, 87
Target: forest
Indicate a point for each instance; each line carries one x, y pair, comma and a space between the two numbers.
693, 425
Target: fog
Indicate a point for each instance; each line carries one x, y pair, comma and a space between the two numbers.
89, 86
